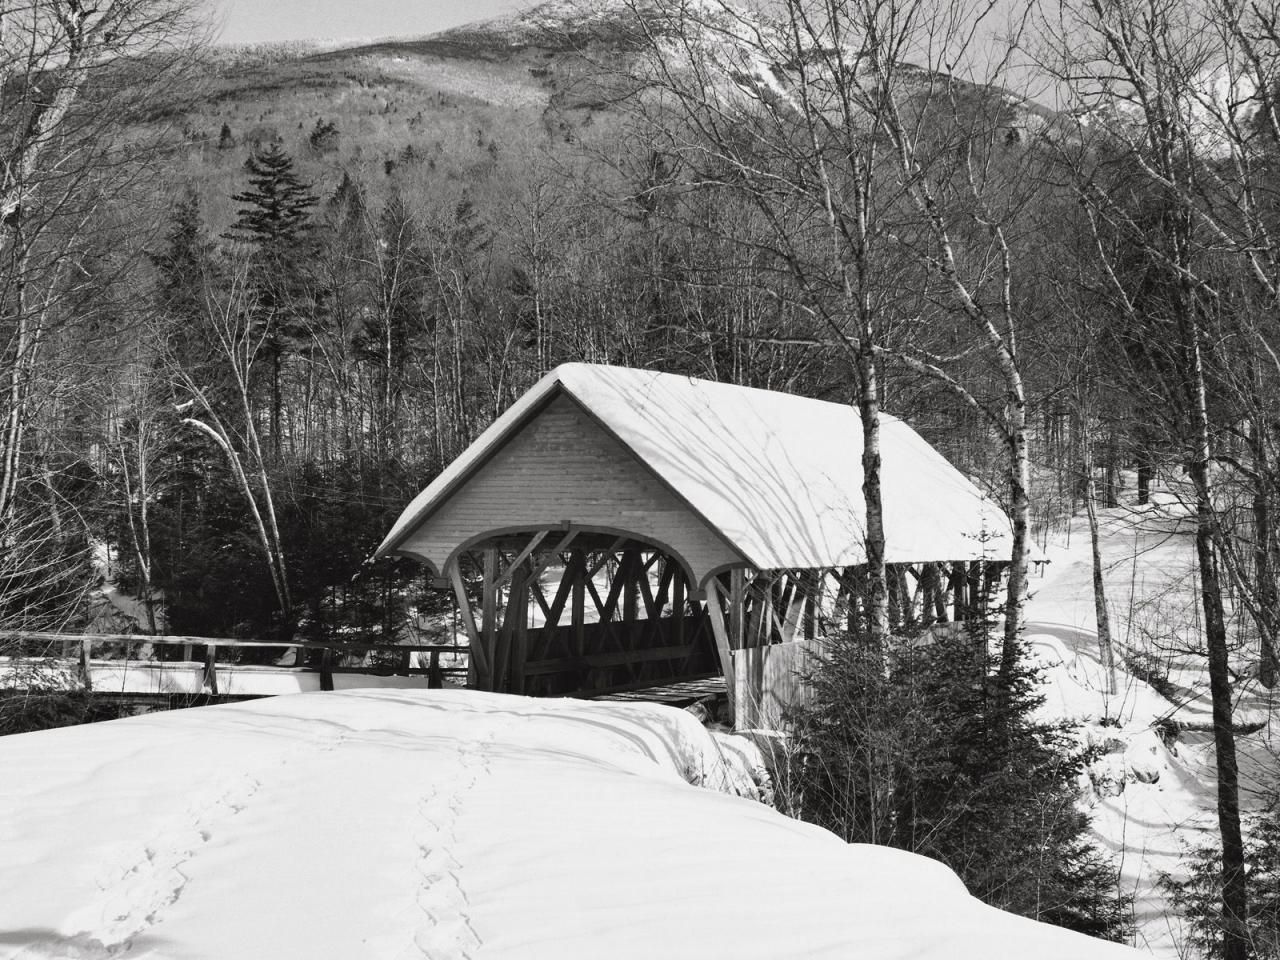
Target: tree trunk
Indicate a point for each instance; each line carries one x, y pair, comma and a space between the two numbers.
1234, 892
869, 407
1105, 649
277, 402
1264, 551
1112, 481
1020, 516
15, 422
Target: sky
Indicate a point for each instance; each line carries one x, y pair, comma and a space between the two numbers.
265, 21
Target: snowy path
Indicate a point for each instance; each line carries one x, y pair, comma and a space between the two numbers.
1150, 578
448, 825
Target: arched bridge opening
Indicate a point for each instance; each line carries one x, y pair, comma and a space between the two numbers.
579, 612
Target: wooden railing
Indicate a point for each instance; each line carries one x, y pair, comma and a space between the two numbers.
80, 648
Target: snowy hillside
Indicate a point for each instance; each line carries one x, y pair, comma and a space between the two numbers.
1150, 797
738, 51
447, 824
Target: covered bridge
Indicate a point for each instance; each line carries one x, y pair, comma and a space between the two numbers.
618, 529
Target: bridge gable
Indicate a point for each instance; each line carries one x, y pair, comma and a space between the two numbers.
562, 466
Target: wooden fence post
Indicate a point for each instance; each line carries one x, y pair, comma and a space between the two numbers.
326, 669
435, 679
210, 670
84, 670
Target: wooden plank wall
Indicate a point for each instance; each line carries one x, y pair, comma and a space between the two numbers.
769, 681
563, 466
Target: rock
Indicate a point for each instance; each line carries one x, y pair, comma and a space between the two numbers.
701, 711
1107, 776
1143, 767
1143, 758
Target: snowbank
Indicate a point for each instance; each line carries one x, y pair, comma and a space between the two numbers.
447, 824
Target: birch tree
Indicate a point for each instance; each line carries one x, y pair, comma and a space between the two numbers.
847, 149
805, 158
1180, 98
228, 419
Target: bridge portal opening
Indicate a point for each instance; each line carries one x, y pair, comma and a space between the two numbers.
579, 613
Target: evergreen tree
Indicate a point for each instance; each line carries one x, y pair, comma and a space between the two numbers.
277, 214
1198, 893
937, 757
276, 225
324, 136
181, 265
346, 209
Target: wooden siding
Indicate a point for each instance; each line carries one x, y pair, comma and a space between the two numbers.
563, 467
770, 680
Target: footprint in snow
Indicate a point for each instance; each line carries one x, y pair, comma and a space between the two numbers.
448, 933
136, 891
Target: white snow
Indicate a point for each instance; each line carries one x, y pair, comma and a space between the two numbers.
152, 677
1218, 106
779, 475
1149, 801
447, 824
117, 603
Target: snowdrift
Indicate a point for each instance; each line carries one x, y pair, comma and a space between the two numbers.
447, 824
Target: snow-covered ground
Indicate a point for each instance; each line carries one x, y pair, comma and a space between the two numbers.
152, 677
390, 823
447, 824
1150, 800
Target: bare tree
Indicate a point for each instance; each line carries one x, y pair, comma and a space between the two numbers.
1180, 97
847, 150
806, 158
73, 75
231, 421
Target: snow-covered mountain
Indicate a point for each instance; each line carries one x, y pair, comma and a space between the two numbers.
1218, 106
729, 45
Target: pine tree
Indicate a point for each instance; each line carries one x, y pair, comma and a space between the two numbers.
1197, 890
324, 136
938, 756
276, 224
277, 216
181, 264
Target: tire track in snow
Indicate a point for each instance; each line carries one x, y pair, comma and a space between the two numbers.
447, 933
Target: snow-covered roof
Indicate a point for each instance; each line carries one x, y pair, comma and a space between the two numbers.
777, 475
